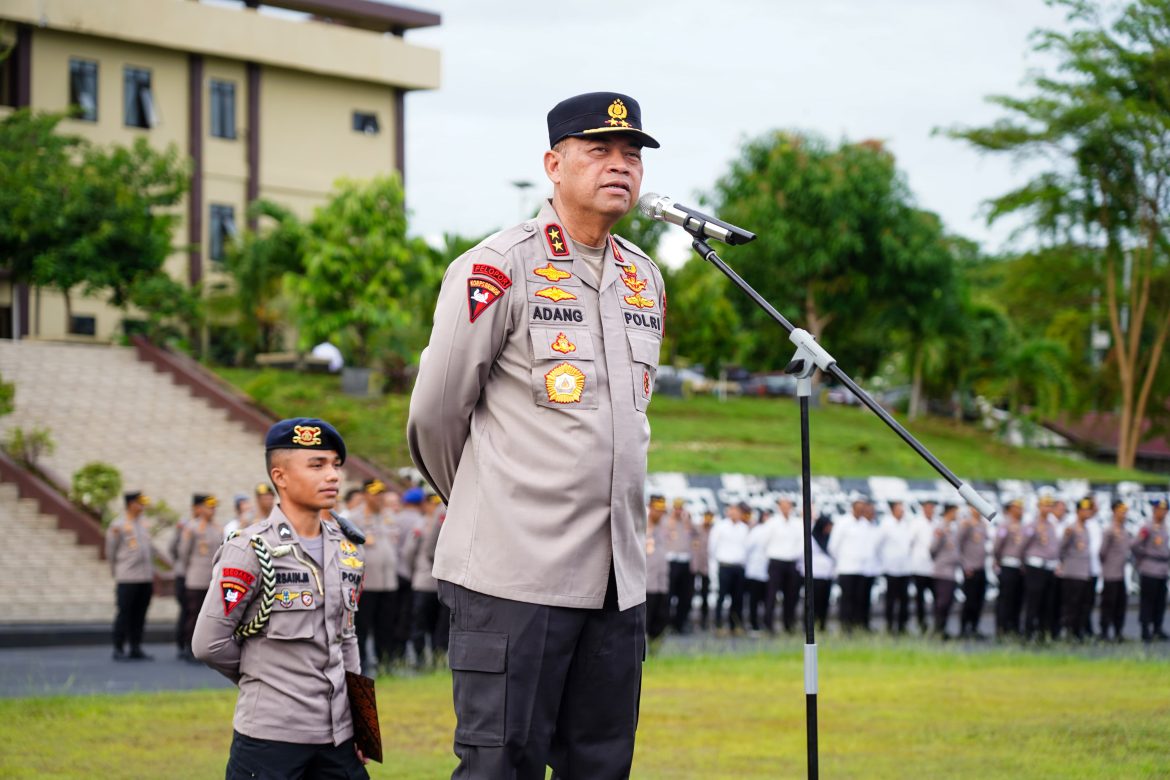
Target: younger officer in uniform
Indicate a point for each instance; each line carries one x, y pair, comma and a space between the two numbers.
973, 559
1074, 571
379, 612
529, 416
289, 654
198, 545
1009, 542
1151, 554
131, 555
657, 571
1115, 546
947, 559
679, 533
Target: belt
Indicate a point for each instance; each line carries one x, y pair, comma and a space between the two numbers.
1010, 562
1037, 561
1051, 565
678, 557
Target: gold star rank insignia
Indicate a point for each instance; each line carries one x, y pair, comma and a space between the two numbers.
556, 294
565, 384
638, 301
552, 274
554, 233
563, 345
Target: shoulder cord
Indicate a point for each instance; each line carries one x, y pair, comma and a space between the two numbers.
267, 592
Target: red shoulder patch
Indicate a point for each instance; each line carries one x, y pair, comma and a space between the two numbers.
233, 594
493, 273
481, 294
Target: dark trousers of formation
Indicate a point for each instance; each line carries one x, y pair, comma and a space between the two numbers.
944, 599
855, 607
432, 623
784, 582
133, 599
1010, 601
182, 640
897, 604
731, 587
657, 614
922, 585
682, 592
1152, 606
974, 594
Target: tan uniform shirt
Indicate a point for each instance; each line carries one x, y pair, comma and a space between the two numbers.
1041, 545
381, 548
291, 676
1074, 553
180, 567
973, 545
1151, 551
129, 551
420, 547
197, 551
529, 416
408, 521
1009, 543
1115, 546
944, 551
678, 536
657, 567
700, 551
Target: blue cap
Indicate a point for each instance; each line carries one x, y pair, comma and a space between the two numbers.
413, 496
1160, 503
304, 433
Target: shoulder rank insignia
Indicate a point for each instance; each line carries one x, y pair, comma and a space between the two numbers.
565, 384
563, 345
556, 240
556, 294
552, 274
481, 294
639, 301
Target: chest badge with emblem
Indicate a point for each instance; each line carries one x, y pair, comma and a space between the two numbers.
352, 562
555, 294
639, 300
563, 345
635, 284
552, 274
286, 597
347, 547
565, 384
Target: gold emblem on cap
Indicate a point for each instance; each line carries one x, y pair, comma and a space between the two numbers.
307, 435
617, 114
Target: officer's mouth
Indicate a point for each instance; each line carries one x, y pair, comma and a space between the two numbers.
617, 187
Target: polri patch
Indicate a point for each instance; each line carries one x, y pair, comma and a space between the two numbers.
556, 240
481, 293
493, 273
233, 594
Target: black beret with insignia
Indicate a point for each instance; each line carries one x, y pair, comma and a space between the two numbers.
203, 498
304, 433
597, 113
135, 495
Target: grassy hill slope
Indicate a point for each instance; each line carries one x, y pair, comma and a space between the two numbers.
705, 435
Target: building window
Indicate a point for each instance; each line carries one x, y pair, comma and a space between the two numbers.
223, 230
223, 109
364, 122
140, 108
83, 89
83, 325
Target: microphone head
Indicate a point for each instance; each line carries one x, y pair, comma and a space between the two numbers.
647, 204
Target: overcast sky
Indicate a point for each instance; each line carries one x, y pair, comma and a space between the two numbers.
708, 75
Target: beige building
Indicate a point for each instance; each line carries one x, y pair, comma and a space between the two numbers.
274, 102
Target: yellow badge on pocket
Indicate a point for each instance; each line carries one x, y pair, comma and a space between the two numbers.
563, 345
555, 294
348, 547
565, 384
352, 562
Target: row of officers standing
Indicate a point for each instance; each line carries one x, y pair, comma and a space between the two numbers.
1050, 571
400, 604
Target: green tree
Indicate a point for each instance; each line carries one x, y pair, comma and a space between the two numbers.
365, 285
840, 242
258, 264
1099, 131
76, 215
702, 324
643, 231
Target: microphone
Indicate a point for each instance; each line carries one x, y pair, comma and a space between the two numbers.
664, 209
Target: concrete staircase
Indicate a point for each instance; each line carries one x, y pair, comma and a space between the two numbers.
48, 578
102, 403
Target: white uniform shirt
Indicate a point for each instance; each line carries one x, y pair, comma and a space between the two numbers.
853, 544
823, 565
786, 542
922, 531
729, 542
895, 538
756, 565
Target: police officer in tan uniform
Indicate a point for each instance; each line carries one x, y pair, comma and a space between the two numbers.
380, 595
679, 533
130, 551
1009, 542
1151, 553
973, 559
944, 551
1074, 571
198, 545
1115, 546
289, 653
657, 569
529, 417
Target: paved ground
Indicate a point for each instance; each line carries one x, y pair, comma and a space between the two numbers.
73, 670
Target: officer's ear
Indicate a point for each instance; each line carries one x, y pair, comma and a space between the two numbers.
552, 165
276, 461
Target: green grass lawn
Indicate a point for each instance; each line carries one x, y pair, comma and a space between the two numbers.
911, 710
704, 435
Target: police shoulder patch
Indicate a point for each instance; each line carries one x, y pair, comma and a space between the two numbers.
481, 293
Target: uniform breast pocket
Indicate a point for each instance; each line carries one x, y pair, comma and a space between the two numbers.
293, 606
563, 374
644, 367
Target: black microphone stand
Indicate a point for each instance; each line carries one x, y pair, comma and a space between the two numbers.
808, 358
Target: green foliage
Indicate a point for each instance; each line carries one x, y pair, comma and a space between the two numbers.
163, 514
7, 397
840, 245
644, 232
95, 485
703, 326
173, 310
366, 286
76, 215
258, 264
1098, 133
27, 447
